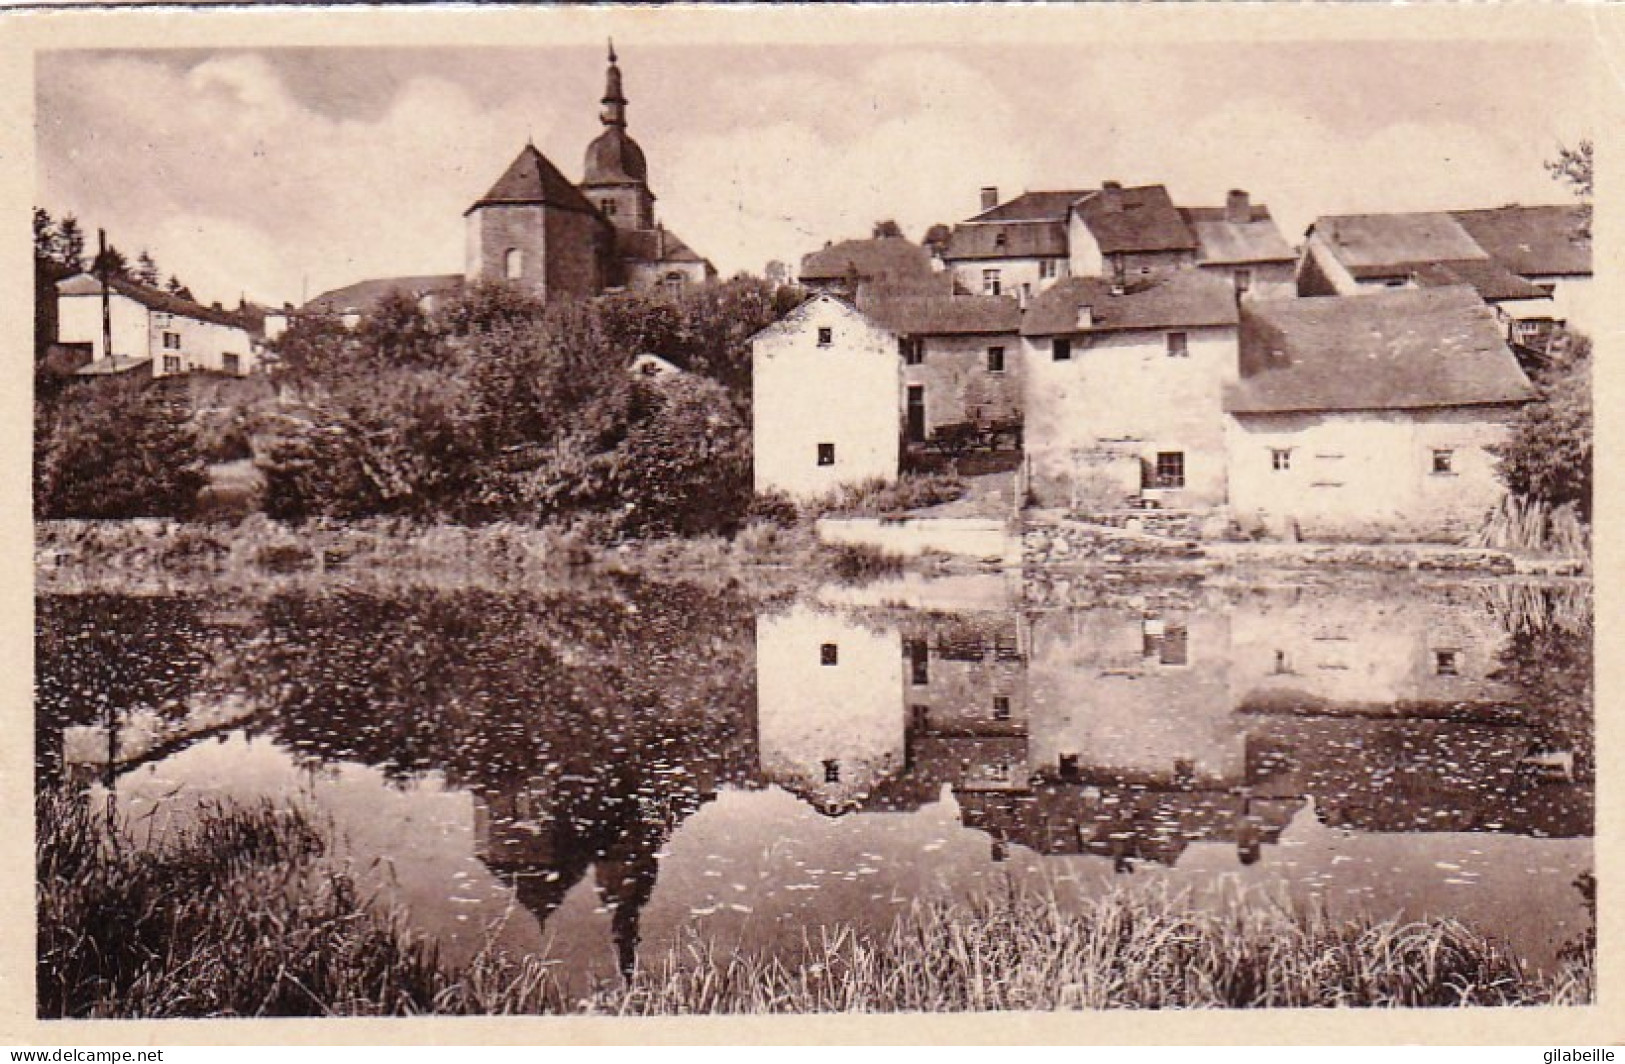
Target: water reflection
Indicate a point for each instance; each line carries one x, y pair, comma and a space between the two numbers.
664, 756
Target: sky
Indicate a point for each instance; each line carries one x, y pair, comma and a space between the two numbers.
281, 173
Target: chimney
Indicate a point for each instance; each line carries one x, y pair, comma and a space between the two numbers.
1238, 206
1086, 316
1111, 196
990, 197
216, 305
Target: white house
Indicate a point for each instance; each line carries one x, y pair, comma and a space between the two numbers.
150, 327
827, 388
1370, 413
1124, 389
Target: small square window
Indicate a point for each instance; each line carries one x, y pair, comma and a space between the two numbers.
826, 336
172, 341
1447, 662
1169, 471
1244, 280
1178, 345
1000, 241
829, 654
1061, 349
231, 363
995, 360
172, 363
1047, 268
1444, 461
991, 285
913, 349
1001, 707
826, 454
1280, 458
999, 771
832, 771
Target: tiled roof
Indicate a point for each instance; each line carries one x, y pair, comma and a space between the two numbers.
1532, 241
885, 259
644, 245
1491, 280
364, 295
1020, 240
1378, 245
1220, 240
944, 315
1053, 206
1403, 349
105, 367
84, 284
1145, 219
1184, 298
532, 179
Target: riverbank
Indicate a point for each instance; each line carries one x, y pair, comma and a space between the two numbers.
243, 915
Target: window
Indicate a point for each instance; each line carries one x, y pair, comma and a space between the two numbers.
1280, 458
832, 771
1168, 472
919, 661
829, 654
172, 341
1047, 268
1244, 281
1447, 662
1001, 241
1061, 349
999, 771
172, 363
1001, 707
826, 336
826, 454
990, 283
1444, 462
673, 284
162, 320
232, 364
1167, 644
513, 264
913, 350
609, 207
1178, 345
995, 360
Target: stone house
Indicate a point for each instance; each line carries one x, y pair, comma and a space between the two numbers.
153, 332
961, 359
826, 391
1532, 264
1031, 242
1374, 413
1124, 389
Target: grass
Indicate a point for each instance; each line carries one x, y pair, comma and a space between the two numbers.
243, 915
1530, 525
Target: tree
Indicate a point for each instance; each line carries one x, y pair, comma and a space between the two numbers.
1547, 455
887, 228
71, 244
1573, 167
111, 262
47, 241
937, 237
118, 449
146, 270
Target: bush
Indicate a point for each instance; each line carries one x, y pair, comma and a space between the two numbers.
875, 498
773, 508
115, 449
1547, 456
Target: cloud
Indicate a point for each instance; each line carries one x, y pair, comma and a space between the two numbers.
237, 187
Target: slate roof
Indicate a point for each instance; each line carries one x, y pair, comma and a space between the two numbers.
84, 284
1383, 245
944, 315
364, 295
1185, 298
643, 245
1491, 280
1146, 221
1052, 206
889, 260
1404, 349
1022, 240
532, 179
1220, 240
1532, 241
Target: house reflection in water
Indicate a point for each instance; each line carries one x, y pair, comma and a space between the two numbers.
1132, 733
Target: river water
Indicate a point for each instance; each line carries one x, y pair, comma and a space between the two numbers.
599, 774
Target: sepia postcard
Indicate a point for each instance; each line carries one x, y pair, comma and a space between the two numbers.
810, 524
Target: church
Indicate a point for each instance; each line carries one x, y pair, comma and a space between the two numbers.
537, 230
556, 239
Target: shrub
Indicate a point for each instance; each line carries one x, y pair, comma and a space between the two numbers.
1547, 456
875, 498
773, 508
856, 563
117, 449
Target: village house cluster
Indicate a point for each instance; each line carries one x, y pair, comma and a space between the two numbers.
1136, 354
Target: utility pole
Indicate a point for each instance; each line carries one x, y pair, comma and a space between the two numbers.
107, 300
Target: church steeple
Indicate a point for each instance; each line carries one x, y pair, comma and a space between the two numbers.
614, 113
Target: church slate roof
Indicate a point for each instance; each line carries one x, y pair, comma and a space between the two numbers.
1399, 349
532, 179
644, 245
614, 158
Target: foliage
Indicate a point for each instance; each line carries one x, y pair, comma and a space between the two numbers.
116, 449
877, 498
887, 228
1547, 456
1573, 167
